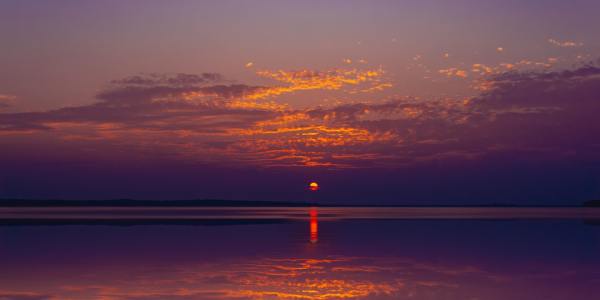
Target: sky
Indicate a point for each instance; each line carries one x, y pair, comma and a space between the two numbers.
381, 102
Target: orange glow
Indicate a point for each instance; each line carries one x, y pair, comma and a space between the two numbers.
454, 72
313, 186
303, 80
314, 226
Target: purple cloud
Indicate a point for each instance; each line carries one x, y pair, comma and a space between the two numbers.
6, 101
155, 102
542, 115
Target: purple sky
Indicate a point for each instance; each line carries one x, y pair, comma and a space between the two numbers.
406, 102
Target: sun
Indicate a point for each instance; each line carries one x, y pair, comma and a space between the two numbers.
313, 186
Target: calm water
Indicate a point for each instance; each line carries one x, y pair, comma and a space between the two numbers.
299, 253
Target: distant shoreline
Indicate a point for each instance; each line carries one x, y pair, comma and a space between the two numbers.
230, 203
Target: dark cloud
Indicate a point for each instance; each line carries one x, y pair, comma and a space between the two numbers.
156, 102
180, 79
23, 296
191, 296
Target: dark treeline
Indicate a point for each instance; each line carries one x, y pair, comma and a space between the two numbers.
145, 203
225, 203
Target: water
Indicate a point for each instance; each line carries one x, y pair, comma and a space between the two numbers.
299, 253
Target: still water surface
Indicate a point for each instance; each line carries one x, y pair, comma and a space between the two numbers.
299, 253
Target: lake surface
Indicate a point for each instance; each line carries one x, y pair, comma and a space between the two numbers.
299, 253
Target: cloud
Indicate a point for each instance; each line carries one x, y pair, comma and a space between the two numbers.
175, 80
205, 118
544, 112
15, 295
157, 102
303, 80
482, 71
454, 72
6, 100
564, 44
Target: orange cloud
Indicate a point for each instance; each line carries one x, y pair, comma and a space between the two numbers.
454, 72
314, 80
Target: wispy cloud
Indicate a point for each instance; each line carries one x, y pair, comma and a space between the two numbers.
7, 100
454, 72
303, 80
564, 44
18, 295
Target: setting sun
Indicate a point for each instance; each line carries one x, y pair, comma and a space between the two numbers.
313, 186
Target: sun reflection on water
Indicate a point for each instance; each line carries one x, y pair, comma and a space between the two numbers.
314, 226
